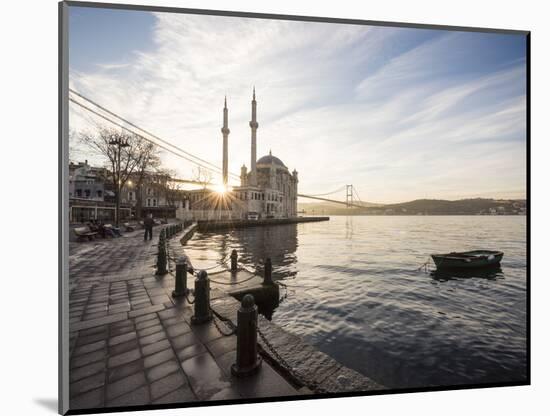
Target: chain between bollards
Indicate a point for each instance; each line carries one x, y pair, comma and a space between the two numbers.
172, 229
233, 330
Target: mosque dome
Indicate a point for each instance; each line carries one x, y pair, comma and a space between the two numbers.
269, 159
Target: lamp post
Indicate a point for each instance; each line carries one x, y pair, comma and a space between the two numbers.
130, 200
119, 143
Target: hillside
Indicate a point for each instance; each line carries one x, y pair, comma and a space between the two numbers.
476, 206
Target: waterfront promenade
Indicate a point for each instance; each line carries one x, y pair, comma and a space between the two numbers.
131, 343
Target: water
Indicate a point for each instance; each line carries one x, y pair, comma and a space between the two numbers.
354, 291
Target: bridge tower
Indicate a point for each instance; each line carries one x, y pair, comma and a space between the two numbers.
349, 196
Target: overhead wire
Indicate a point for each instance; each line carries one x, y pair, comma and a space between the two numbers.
212, 166
142, 136
164, 144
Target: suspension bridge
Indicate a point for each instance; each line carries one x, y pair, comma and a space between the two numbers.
353, 200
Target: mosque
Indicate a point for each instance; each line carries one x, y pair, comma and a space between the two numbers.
267, 190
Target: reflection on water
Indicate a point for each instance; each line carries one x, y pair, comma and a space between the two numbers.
490, 272
354, 291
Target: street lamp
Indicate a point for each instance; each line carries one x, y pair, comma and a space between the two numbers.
119, 143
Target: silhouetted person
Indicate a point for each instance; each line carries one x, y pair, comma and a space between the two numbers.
148, 225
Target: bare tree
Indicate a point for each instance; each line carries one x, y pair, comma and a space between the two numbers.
172, 189
149, 162
202, 175
122, 161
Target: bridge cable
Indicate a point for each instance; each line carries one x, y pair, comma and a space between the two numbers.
330, 193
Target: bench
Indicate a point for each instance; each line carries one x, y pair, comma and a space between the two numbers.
84, 233
111, 231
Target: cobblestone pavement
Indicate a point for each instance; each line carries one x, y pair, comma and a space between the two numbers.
132, 344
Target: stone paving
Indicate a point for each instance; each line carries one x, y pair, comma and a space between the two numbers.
132, 344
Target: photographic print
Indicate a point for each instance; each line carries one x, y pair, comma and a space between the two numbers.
264, 207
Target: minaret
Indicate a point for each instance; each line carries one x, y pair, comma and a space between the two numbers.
254, 127
225, 132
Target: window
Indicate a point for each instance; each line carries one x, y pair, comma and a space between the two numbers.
79, 193
148, 202
99, 194
87, 193
154, 202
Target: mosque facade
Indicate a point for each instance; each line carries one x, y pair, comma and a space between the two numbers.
267, 190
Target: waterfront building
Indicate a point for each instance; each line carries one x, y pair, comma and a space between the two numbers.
89, 195
86, 182
150, 193
92, 196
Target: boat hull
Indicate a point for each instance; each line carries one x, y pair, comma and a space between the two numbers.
468, 260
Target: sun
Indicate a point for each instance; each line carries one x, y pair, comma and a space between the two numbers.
221, 189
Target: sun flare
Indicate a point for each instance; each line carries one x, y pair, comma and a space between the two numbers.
221, 189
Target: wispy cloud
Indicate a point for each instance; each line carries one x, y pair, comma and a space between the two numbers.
399, 113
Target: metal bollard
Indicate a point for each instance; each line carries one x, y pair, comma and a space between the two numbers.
248, 360
181, 278
161, 257
234, 257
202, 299
268, 268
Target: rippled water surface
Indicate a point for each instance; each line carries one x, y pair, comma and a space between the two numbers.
354, 291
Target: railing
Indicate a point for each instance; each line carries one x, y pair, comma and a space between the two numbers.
207, 215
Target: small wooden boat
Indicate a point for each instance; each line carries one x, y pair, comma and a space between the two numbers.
468, 259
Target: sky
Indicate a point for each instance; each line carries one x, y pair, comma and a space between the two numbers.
400, 113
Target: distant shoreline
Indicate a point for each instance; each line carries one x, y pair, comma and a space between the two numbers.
415, 215
477, 206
